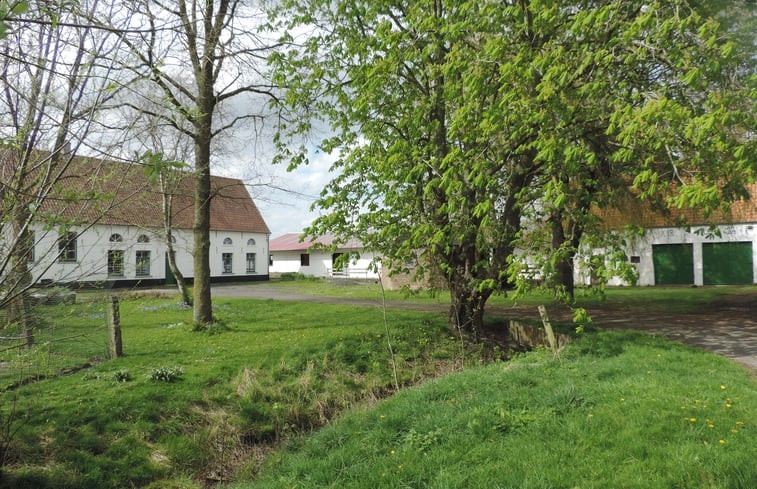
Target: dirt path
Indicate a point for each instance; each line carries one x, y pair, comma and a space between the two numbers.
727, 327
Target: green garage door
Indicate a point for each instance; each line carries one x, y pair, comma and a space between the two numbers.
727, 263
673, 264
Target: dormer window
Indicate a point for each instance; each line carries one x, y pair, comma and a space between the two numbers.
116, 238
228, 242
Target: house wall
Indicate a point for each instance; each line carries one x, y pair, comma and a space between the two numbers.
641, 247
94, 243
321, 264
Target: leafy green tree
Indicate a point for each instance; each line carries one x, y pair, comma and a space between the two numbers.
463, 127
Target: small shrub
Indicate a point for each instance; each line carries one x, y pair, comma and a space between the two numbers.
121, 375
423, 441
91, 375
218, 326
165, 374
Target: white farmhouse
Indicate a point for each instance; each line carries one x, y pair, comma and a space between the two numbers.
107, 230
291, 254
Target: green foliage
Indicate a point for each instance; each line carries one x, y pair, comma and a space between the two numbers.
156, 165
122, 375
8, 9
486, 128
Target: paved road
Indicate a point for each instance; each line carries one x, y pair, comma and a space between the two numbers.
728, 327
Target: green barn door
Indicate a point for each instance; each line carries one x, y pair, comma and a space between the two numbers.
727, 263
673, 264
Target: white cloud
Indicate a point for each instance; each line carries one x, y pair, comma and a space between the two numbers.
284, 198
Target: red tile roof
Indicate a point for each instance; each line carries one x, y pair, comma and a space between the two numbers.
291, 242
121, 194
643, 214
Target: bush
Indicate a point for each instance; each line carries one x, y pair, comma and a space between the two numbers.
165, 374
121, 375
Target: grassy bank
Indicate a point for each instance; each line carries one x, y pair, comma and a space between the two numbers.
182, 408
614, 410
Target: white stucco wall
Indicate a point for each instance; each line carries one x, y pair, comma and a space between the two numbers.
92, 247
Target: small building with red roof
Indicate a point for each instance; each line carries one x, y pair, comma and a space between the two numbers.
322, 257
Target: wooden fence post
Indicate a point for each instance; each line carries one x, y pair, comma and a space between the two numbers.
114, 328
548, 329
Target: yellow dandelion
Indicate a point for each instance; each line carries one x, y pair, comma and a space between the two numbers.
734, 430
591, 415
391, 453
722, 442
740, 423
729, 405
723, 387
693, 420
711, 425
382, 417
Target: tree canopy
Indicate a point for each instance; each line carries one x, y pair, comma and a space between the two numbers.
462, 127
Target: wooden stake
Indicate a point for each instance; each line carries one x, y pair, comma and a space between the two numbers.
114, 328
548, 328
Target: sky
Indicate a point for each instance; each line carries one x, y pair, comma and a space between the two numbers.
283, 198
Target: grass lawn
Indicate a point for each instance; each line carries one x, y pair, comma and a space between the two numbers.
652, 299
277, 369
616, 409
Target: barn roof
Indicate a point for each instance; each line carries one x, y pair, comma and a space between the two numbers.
118, 193
642, 213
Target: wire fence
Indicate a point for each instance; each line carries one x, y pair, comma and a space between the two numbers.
66, 338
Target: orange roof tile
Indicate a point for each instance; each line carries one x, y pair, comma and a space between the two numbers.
118, 193
644, 214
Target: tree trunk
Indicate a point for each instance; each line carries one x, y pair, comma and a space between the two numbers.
467, 309
20, 277
181, 282
564, 266
203, 309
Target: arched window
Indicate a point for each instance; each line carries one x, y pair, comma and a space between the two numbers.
173, 239
228, 241
116, 238
251, 242
143, 238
